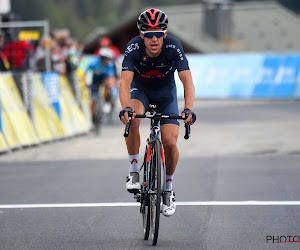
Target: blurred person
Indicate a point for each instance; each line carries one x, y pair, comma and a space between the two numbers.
106, 42
17, 53
58, 60
148, 68
40, 56
4, 63
102, 68
75, 54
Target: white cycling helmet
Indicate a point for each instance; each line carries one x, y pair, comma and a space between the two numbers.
106, 52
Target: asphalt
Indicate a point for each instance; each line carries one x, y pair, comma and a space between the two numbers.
240, 150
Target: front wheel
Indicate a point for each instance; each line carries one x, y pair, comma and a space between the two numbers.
146, 220
155, 190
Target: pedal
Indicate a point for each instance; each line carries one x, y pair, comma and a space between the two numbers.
137, 197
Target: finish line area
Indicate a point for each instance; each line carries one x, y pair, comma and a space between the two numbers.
136, 204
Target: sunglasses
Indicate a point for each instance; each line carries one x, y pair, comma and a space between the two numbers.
150, 34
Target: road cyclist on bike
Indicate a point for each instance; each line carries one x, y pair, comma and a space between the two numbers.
147, 77
103, 74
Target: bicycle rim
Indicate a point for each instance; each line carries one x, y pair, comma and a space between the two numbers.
156, 188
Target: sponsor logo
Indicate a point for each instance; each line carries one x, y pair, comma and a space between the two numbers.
153, 74
177, 49
131, 47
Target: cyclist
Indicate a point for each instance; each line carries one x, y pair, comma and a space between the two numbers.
103, 71
149, 63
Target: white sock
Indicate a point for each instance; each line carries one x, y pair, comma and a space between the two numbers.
169, 180
134, 163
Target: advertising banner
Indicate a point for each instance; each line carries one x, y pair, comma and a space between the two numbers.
266, 77
51, 81
244, 76
0, 115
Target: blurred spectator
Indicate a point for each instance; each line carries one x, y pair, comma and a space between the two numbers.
58, 60
75, 54
106, 42
40, 56
17, 53
4, 64
64, 52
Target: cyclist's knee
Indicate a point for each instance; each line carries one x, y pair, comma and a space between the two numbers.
135, 123
169, 144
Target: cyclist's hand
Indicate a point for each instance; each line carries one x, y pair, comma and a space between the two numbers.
189, 116
125, 113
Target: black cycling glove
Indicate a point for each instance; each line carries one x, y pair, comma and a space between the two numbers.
123, 111
188, 112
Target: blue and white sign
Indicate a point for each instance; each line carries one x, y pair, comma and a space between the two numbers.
51, 82
0, 116
244, 76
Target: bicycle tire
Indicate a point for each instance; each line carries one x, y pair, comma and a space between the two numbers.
145, 199
146, 221
156, 188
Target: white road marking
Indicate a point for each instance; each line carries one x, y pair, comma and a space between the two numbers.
136, 204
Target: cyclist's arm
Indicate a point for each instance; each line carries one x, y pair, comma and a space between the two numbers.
124, 91
90, 67
189, 90
111, 81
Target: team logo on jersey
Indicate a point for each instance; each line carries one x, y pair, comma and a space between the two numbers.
144, 58
153, 74
131, 47
177, 49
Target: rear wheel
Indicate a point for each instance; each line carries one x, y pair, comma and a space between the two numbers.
156, 190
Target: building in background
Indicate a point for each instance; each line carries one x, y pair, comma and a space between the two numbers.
217, 26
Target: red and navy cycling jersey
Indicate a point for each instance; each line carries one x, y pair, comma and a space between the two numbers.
153, 73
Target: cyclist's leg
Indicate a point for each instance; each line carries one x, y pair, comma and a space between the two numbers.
169, 135
169, 129
133, 140
94, 98
139, 102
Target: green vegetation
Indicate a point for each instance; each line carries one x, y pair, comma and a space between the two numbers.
82, 17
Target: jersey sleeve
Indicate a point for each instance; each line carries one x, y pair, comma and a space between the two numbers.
179, 56
130, 55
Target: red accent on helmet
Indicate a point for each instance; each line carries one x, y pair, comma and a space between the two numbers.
152, 19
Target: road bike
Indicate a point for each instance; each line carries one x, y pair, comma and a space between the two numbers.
153, 186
